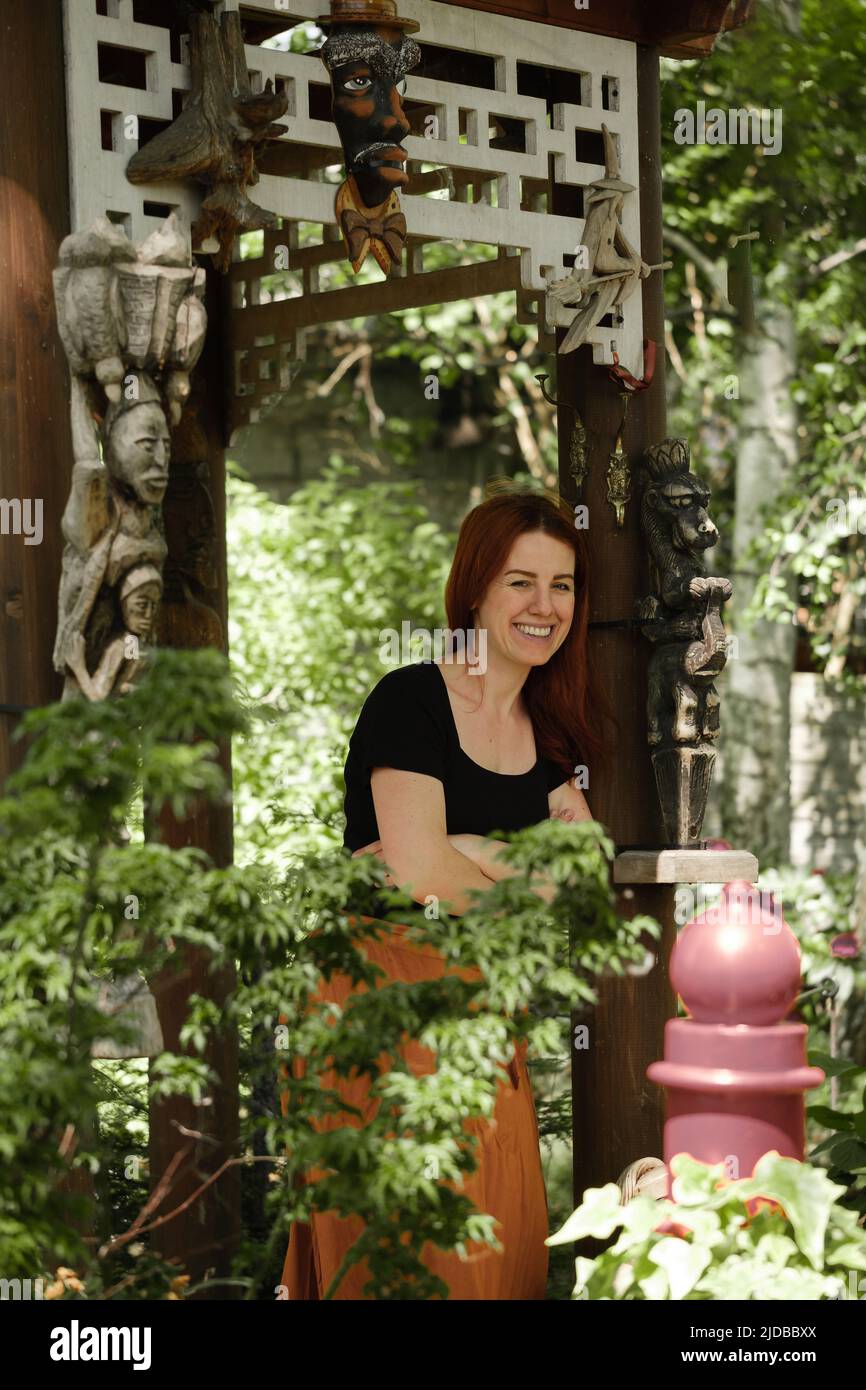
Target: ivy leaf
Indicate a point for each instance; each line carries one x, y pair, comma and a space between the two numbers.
805, 1193
682, 1262
598, 1216
848, 1154
696, 1184
830, 1119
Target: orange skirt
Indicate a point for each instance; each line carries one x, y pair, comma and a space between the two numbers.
507, 1184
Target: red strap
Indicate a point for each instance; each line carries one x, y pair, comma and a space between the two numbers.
619, 375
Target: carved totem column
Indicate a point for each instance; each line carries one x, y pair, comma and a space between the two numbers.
132, 322
683, 619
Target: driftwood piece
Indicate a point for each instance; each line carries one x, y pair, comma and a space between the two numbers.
683, 619
217, 135
129, 998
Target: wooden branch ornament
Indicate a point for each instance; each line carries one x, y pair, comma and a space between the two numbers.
217, 136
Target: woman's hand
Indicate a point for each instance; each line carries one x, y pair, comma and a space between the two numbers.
375, 848
567, 803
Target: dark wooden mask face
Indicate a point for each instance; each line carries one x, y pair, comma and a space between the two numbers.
368, 69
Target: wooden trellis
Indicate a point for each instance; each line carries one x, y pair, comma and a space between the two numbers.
502, 111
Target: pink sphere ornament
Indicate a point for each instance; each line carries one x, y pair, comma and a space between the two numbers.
739, 962
735, 1073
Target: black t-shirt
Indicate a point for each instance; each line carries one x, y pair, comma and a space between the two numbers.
407, 723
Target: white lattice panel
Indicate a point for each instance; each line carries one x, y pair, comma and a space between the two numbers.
98, 176
604, 82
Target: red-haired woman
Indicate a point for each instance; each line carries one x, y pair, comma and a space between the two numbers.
442, 754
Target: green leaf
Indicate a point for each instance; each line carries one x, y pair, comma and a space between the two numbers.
682, 1262
805, 1193
599, 1215
830, 1119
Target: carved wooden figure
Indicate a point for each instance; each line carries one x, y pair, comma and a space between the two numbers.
217, 136
608, 269
368, 56
133, 324
124, 657
683, 619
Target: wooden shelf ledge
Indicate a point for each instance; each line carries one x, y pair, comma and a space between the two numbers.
685, 866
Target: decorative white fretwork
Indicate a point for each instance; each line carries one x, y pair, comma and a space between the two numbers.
502, 110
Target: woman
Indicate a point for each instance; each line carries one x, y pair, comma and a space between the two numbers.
442, 755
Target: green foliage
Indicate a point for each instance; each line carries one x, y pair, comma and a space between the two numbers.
314, 583
807, 203
69, 876
844, 1148
535, 964
779, 1235
818, 908
67, 880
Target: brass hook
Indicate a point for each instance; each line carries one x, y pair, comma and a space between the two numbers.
618, 472
578, 454
541, 378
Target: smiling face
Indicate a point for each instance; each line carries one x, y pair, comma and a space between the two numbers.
368, 70
528, 610
138, 451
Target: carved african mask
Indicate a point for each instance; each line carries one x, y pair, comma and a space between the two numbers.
684, 503
138, 449
368, 56
368, 72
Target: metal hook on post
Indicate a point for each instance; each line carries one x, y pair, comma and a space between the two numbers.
578, 453
618, 471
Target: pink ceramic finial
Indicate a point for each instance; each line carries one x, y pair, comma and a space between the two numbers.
734, 1072
739, 962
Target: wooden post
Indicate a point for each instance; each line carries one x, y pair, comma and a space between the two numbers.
617, 1111
193, 615
35, 442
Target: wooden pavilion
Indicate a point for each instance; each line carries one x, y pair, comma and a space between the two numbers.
551, 72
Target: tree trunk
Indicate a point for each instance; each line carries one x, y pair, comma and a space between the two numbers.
756, 703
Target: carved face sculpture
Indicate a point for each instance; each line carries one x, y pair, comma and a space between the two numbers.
368, 67
139, 601
685, 500
138, 451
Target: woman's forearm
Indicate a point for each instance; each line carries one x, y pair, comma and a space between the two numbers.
486, 854
450, 876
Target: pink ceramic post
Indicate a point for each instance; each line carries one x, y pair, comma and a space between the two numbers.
735, 1074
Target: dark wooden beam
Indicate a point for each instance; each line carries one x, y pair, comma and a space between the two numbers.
193, 615
378, 297
35, 442
680, 28
617, 1112
35, 438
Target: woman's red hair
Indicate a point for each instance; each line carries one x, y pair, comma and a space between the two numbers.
562, 696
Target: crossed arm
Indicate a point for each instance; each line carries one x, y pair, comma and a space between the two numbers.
424, 860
